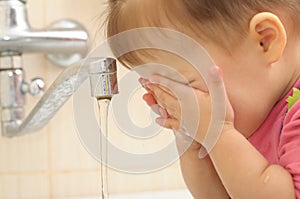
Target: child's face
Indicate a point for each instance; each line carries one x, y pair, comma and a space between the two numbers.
254, 78
243, 77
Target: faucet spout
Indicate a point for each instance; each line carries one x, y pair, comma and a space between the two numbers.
103, 78
58, 93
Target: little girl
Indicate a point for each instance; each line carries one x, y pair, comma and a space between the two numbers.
256, 45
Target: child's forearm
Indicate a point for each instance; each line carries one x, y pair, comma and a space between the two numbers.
245, 173
201, 177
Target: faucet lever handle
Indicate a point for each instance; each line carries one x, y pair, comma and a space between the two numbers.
36, 87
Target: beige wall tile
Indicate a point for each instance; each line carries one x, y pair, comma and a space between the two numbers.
23, 154
88, 182
52, 162
85, 12
28, 153
67, 153
36, 13
76, 184
24, 186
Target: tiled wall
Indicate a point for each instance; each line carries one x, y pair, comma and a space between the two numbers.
52, 163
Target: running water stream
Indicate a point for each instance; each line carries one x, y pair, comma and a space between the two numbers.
103, 106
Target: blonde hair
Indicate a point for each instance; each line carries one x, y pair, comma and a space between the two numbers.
220, 21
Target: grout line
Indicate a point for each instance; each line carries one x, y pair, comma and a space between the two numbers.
12, 173
76, 171
45, 12
49, 155
49, 171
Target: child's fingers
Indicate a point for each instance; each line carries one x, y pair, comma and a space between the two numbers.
165, 89
179, 89
149, 99
169, 123
164, 99
151, 102
183, 141
159, 111
145, 83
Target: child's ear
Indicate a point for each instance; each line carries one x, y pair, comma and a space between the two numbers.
269, 34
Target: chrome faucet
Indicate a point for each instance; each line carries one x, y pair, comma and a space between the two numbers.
103, 78
65, 43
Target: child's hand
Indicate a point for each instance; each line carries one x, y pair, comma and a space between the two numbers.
163, 91
199, 174
181, 138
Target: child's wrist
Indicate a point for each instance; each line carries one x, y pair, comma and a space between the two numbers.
228, 126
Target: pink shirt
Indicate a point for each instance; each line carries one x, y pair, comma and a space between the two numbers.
278, 138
